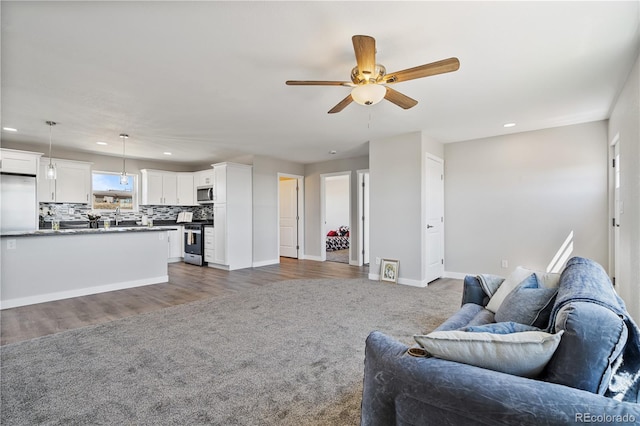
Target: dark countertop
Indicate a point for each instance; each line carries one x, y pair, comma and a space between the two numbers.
86, 231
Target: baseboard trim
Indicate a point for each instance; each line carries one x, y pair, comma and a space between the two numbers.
266, 263
403, 281
316, 258
455, 275
50, 297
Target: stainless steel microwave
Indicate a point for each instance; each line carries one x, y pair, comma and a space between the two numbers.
205, 194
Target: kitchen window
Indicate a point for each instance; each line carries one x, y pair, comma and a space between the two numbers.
109, 194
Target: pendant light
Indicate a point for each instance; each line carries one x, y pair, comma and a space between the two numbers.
124, 179
51, 168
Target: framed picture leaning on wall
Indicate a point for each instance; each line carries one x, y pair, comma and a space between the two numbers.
389, 270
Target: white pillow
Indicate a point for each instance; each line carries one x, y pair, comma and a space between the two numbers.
548, 279
521, 354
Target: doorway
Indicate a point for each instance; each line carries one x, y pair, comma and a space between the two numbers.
363, 217
434, 237
335, 189
290, 196
616, 209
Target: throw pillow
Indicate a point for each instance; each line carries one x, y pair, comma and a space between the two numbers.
522, 354
515, 278
526, 304
500, 328
548, 280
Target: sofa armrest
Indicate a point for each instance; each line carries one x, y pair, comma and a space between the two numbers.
401, 389
472, 292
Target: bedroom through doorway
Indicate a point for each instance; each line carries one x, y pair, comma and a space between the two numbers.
336, 217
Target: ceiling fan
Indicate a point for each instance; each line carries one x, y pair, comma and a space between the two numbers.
370, 80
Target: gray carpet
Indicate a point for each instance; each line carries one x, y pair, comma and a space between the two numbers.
288, 353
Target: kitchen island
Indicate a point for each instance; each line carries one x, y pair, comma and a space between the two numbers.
45, 265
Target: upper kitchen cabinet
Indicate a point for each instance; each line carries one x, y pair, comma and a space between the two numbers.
158, 187
162, 188
71, 185
220, 181
203, 178
19, 162
185, 192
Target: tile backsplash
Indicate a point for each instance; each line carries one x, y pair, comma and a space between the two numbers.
61, 211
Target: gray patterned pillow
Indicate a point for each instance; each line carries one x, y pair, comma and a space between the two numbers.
528, 304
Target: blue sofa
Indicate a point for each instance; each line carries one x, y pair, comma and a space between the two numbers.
592, 377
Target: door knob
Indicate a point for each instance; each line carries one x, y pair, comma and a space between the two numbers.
429, 226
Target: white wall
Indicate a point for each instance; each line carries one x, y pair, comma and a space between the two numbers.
517, 197
397, 202
265, 206
314, 236
336, 190
625, 122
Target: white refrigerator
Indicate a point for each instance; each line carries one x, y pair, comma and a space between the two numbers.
18, 203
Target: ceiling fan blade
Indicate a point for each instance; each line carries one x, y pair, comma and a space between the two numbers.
403, 101
434, 68
365, 50
317, 83
341, 105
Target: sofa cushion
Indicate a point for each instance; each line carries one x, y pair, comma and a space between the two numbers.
467, 313
522, 354
594, 337
528, 303
500, 328
546, 279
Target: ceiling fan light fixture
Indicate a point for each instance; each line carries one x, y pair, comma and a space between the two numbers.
368, 94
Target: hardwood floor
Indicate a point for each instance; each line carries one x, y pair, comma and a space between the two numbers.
187, 283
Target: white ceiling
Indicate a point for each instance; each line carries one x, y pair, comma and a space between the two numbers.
206, 80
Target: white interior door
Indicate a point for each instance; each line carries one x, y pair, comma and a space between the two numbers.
363, 214
435, 218
617, 211
289, 217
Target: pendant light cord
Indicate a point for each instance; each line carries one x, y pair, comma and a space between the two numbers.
51, 124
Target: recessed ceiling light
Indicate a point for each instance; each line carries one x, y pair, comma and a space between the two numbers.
333, 152
101, 143
9, 129
510, 125
167, 153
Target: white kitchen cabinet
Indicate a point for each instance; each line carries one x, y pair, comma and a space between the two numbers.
158, 188
176, 244
204, 178
209, 244
220, 182
185, 189
220, 232
233, 218
22, 162
71, 185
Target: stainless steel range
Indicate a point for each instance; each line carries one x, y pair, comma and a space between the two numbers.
194, 242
